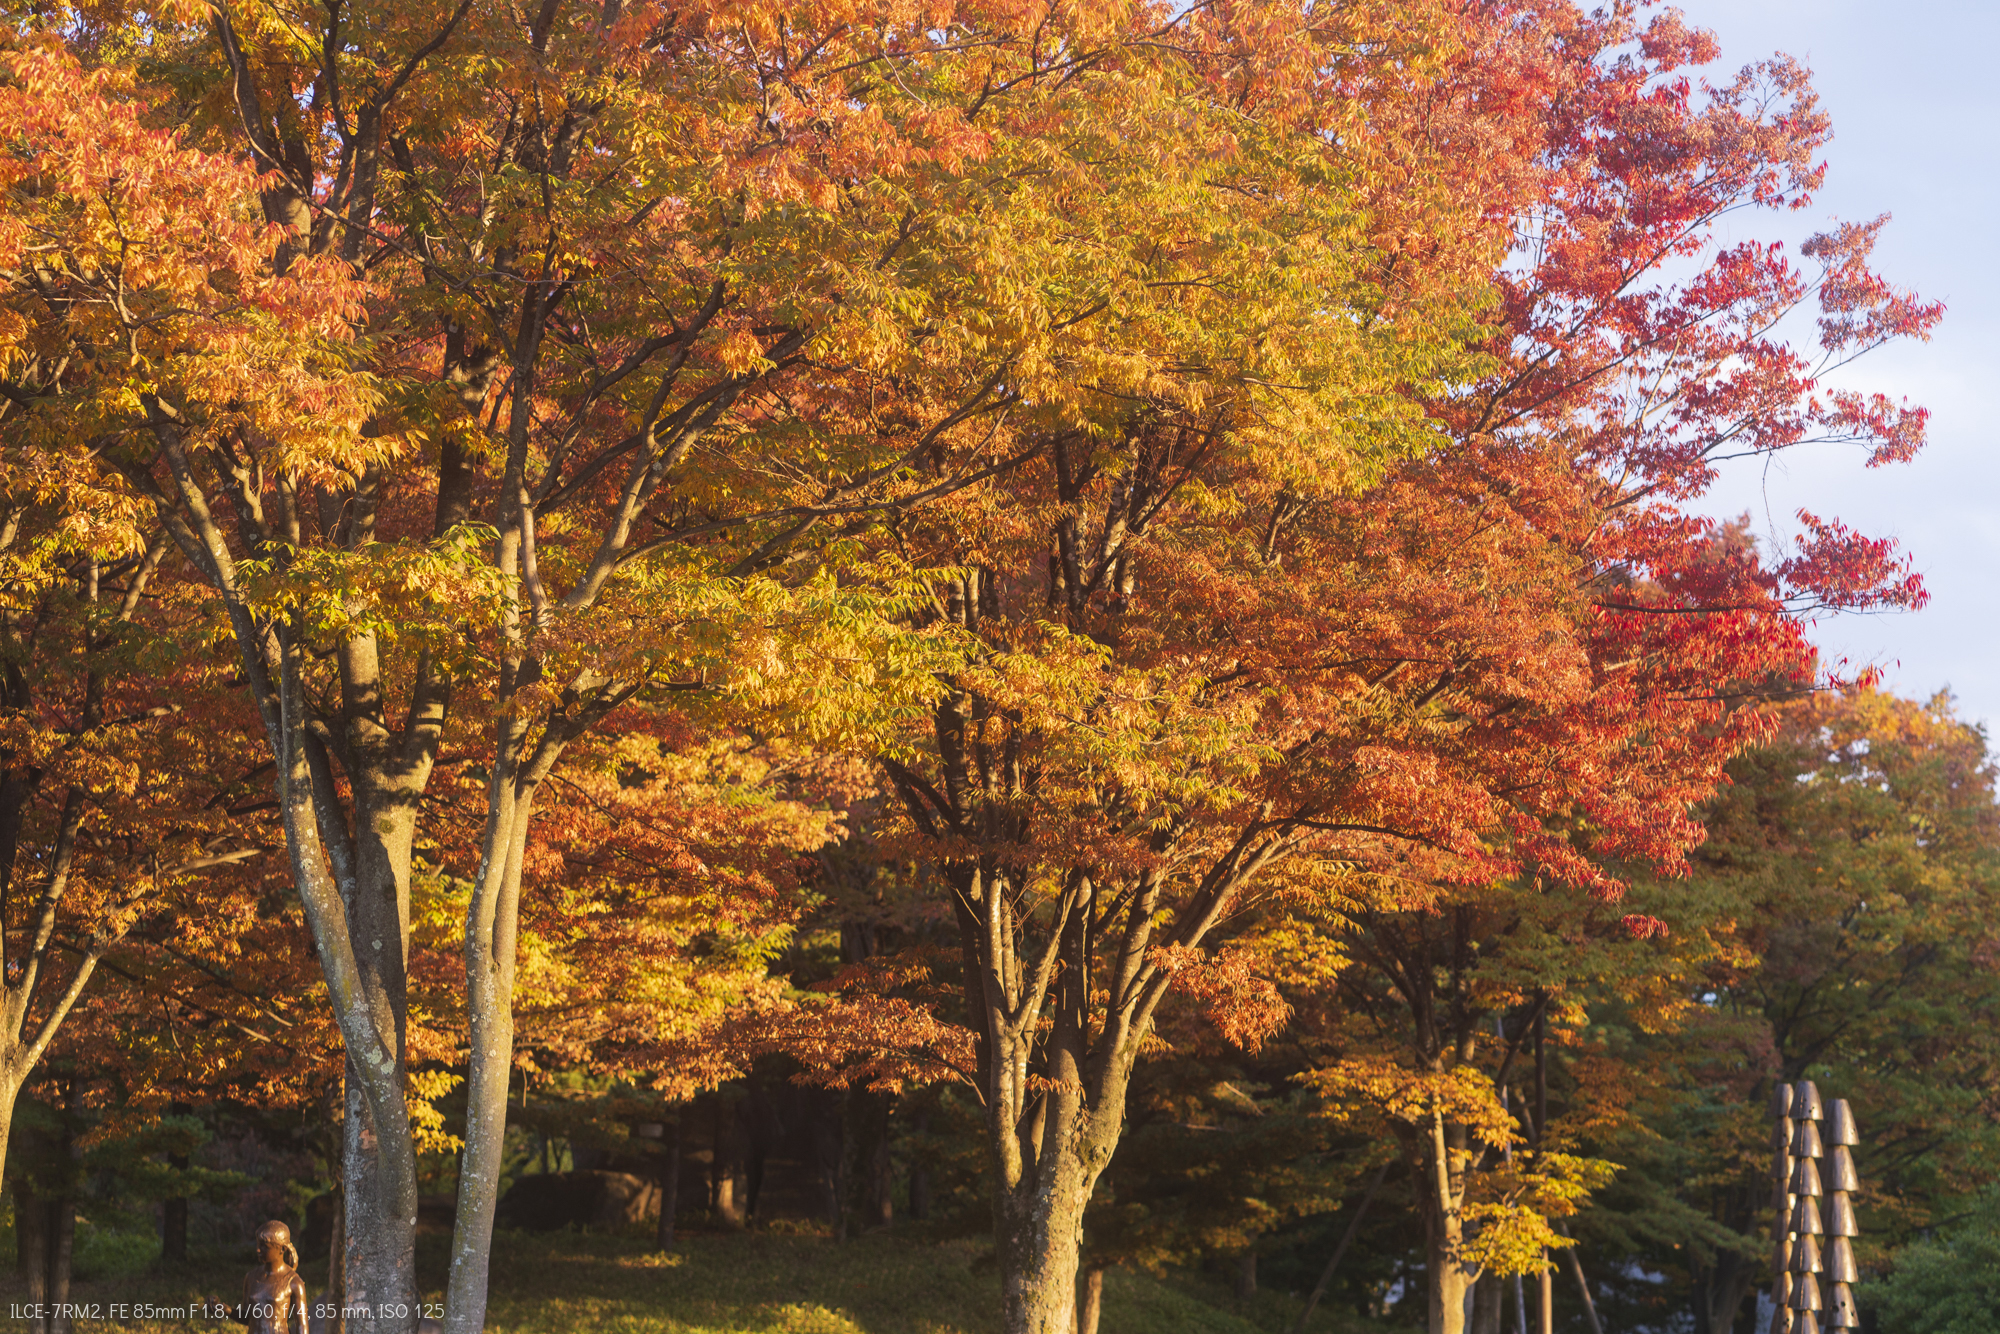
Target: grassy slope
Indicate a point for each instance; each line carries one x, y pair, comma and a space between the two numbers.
759, 1283
807, 1285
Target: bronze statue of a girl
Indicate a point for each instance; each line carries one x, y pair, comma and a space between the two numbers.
274, 1296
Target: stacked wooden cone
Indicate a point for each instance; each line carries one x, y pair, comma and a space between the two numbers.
1813, 1259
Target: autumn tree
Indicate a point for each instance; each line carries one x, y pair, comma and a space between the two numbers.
473, 437
491, 376
1616, 388
106, 791
1205, 666
110, 785
1835, 924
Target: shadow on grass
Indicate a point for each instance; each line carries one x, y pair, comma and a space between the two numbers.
747, 1283
738, 1285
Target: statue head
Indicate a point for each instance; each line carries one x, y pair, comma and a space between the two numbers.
274, 1243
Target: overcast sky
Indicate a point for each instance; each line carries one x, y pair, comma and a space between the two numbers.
1916, 118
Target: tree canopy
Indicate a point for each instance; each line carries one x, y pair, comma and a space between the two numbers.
1164, 527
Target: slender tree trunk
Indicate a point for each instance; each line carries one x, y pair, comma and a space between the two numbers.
336, 1270
1583, 1288
174, 1226
31, 1241
1545, 1286
61, 1249
1449, 1281
1719, 1292
492, 1034
1450, 1285
1488, 1297
491, 932
920, 1172
8, 1094
871, 1203
1090, 1300
670, 1184
1246, 1276
45, 1234
1346, 1240
725, 1165
489, 985
827, 1127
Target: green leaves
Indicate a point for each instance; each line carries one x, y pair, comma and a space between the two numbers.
1946, 1283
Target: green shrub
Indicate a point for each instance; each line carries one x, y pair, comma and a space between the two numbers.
1949, 1284
104, 1254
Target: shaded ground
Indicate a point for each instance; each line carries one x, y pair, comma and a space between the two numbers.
759, 1283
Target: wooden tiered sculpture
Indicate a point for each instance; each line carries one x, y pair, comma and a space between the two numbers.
1813, 1257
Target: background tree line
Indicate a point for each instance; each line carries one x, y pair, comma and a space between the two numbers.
1096, 605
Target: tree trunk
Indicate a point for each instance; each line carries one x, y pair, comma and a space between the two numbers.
670, 1184
725, 1165
826, 1124
1545, 1288
45, 1217
1049, 1147
920, 1172
336, 1270
1488, 1297
1583, 1288
174, 1226
1450, 1285
1340, 1251
8, 1093
491, 935
1449, 1280
1090, 1300
352, 877
492, 1050
45, 1232
174, 1213
1246, 1276
378, 1265
31, 1242
378, 1156
61, 1248
1040, 1238
871, 1202
1049, 1144
1719, 1292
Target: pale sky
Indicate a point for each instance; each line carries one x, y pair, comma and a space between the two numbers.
1916, 118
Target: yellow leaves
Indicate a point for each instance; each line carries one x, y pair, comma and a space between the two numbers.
1509, 1239
741, 353
1376, 1085
425, 1087
1303, 957
442, 596
1509, 1230
1150, 730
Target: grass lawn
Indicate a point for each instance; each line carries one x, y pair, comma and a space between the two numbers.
780, 1284
757, 1283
